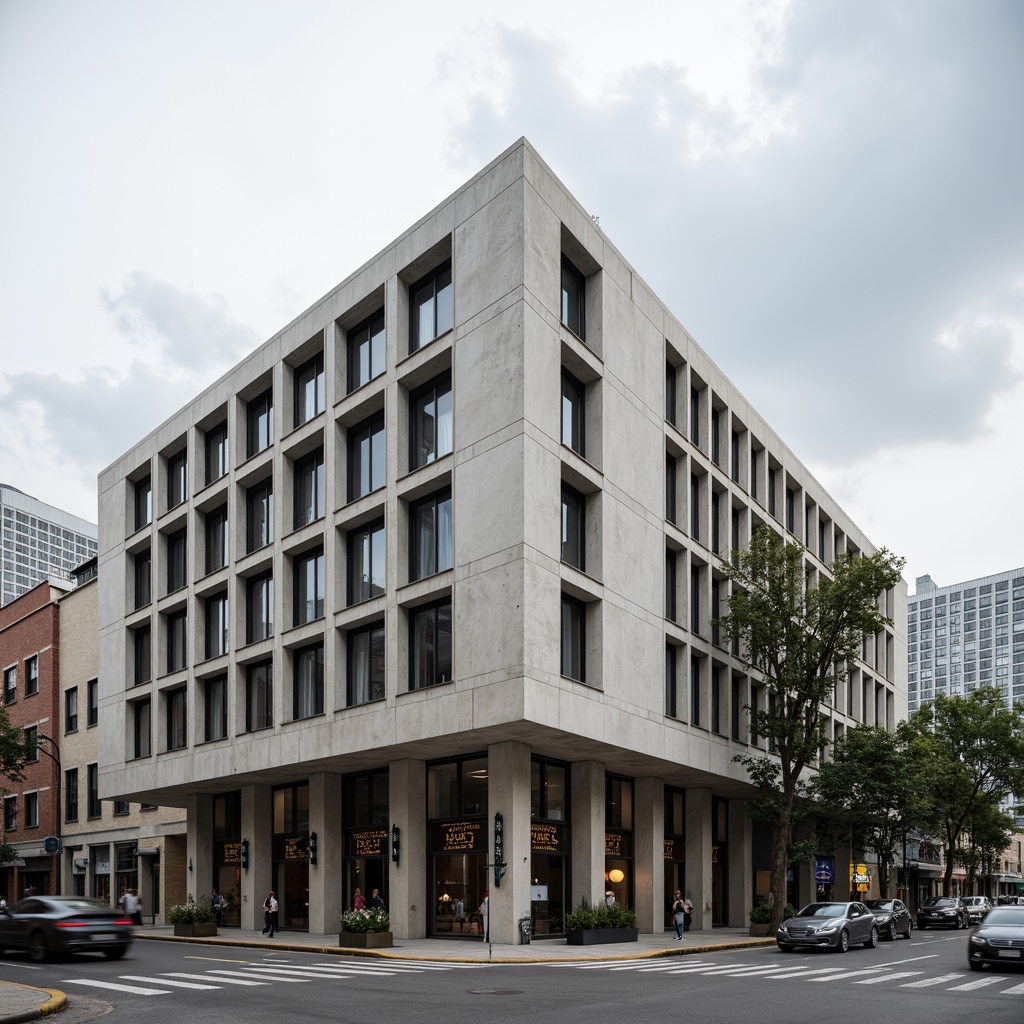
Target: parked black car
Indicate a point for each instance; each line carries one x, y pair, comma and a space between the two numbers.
892, 918
64, 924
942, 912
999, 939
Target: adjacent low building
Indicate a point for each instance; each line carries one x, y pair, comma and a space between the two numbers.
419, 596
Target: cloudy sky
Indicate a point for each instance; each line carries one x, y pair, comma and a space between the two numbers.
828, 193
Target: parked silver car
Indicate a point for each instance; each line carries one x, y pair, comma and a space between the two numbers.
830, 925
977, 908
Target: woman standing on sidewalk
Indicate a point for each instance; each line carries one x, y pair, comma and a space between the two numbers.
678, 913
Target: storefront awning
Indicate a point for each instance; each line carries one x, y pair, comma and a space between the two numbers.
148, 851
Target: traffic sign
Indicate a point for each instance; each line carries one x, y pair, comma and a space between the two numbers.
52, 845
823, 870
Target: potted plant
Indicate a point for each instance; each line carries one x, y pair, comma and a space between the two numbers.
588, 925
365, 929
193, 919
763, 915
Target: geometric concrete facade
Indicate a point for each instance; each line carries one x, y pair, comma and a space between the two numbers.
437, 564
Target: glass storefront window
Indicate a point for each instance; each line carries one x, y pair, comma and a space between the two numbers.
364, 818
291, 855
618, 839
549, 844
675, 849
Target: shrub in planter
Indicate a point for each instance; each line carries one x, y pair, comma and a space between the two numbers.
361, 921
193, 912
587, 918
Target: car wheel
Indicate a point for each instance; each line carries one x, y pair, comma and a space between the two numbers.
37, 947
844, 941
873, 941
892, 931
785, 947
116, 953
910, 930
975, 965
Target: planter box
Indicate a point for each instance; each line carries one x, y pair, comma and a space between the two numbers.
761, 930
593, 936
190, 931
366, 940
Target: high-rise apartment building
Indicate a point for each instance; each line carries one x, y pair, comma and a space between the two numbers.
966, 635
427, 583
38, 541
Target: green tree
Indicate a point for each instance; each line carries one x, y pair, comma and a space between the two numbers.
799, 639
13, 755
986, 836
971, 752
867, 788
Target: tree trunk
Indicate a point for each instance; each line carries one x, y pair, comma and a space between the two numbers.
781, 839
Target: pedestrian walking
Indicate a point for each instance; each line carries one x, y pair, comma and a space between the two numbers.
359, 903
270, 914
217, 902
377, 901
485, 913
687, 914
679, 914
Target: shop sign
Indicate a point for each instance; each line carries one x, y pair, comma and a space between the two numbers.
459, 835
231, 853
613, 844
291, 847
670, 849
546, 838
371, 842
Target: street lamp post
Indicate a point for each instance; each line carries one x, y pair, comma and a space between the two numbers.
55, 758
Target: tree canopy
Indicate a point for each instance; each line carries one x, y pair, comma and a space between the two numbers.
13, 755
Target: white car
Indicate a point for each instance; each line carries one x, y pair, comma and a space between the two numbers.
977, 908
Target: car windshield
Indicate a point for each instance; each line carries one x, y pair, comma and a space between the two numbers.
878, 904
941, 901
1004, 915
823, 910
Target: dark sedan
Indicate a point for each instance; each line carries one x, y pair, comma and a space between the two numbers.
999, 939
892, 918
42, 925
831, 925
942, 912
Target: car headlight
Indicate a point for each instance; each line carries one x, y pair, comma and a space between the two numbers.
831, 927
783, 928
978, 940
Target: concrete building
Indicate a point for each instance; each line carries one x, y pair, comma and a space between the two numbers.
425, 584
38, 542
108, 845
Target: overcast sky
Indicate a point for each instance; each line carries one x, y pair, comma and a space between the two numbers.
829, 194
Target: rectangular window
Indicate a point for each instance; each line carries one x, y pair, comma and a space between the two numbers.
366, 562
177, 560
10, 685
430, 541
736, 707
177, 478
695, 598
259, 696
670, 584
259, 608
716, 523
671, 685
216, 708
31, 810
71, 709
574, 527
259, 525
92, 697
367, 459
309, 390
716, 700
573, 311
430, 422
573, 638
366, 351
695, 506
670, 393
177, 719
31, 675
93, 808
430, 302
716, 611
143, 502
695, 687
716, 437
143, 578
32, 743
143, 654
366, 664
217, 539
177, 641
771, 492
790, 509
695, 416
121, 807
310, 498
430, 630
755, 473
734, 459
670, 488
573, 422
217, 452
308, 692
10, 813
259, 416
217, 625
142, 727
309, 586
71, 794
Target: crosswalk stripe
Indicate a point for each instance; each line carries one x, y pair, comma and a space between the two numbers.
970, 986
850, 974
1017, 990
164, 980
887, 977
114, 987
773, 972
818, 970
220, 981
286, 973
243, 974
749, 972
928, 982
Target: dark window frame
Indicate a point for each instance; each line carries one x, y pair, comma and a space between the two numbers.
574, 527
94, 809
92, 703
573, 426
300, 581
31, 675
573, 299
367, 468
142, 562
177, 560
71, 794
218, 458
177, 478
364, 352
143, 501
311, 704
438, 290
426, 561
259, 423
573, 645
431, 404
431, 667
373, 688
177, 641
71, 709
216, 620
177, 718
216, 533
259, 696
259, 530
142, 642
259, 622
360, 584
309, 381
215, 721
309, 493
142, 727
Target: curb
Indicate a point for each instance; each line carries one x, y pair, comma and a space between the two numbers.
393, 955
55, 1002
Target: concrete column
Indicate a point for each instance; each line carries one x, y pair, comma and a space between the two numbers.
698, 856
649, 854
258, 829
199, 853
325, 875
741, 865
508, 793
587, 832
407, 797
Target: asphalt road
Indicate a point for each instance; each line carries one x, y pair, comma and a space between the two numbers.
924, 978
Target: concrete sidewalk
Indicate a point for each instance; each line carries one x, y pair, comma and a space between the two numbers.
22, 1002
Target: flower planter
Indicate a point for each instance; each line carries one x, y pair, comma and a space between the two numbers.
366, 940
594, 936
761, 930
191, 931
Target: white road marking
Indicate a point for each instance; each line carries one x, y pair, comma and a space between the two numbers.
164, 980
970, 986
887, 977
244, 974
220, 981
850, 974
928, 982
118, 988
